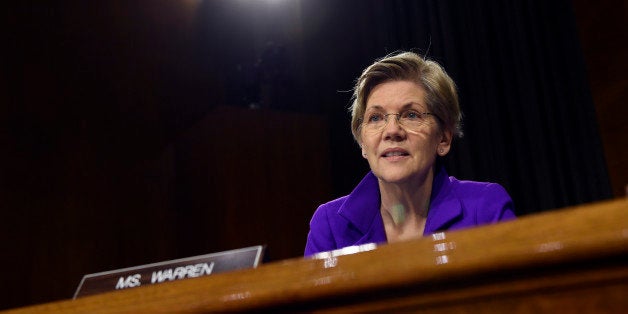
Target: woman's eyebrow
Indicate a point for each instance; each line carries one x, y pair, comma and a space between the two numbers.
410, 104
378, 107
406, 106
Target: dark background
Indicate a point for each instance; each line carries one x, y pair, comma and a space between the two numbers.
140, 131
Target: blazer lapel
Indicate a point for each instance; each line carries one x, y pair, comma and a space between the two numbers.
361, 209
445, 207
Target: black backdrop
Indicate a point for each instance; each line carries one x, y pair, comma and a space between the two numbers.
529, 118
528, 115
92, 89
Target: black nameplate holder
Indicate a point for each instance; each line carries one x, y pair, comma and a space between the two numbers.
191, 267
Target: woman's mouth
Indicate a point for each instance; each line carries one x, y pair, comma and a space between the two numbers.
395, 153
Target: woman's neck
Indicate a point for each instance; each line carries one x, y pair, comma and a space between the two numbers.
404, 207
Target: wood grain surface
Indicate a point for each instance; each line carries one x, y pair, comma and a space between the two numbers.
572, 260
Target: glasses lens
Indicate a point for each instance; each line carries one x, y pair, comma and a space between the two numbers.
375, 121
410, 119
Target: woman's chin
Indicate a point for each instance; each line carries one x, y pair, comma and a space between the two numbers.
402, 176
394, 177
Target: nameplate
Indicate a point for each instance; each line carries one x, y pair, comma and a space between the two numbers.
150, 274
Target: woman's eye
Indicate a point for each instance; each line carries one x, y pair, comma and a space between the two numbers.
412, 115
375, 117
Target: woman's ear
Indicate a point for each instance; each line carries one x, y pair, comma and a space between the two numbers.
363, 150
445, 144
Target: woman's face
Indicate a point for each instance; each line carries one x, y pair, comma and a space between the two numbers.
401, 153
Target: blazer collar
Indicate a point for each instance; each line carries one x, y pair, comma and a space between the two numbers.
445, 206
362, 206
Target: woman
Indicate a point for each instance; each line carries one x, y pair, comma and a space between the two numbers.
404, 116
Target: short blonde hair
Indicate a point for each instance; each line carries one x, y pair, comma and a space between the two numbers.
441, 95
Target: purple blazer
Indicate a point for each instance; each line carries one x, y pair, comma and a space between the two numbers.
356, 219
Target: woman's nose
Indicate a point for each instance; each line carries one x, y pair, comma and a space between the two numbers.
393, 130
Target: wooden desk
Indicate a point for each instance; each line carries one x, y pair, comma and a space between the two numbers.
566, 261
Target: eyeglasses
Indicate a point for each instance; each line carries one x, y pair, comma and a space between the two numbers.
408, 119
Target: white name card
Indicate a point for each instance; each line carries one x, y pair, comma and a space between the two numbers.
191, 267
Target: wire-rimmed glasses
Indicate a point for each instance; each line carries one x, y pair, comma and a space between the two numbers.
409, 119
